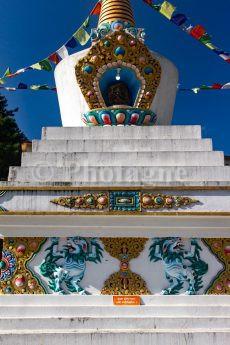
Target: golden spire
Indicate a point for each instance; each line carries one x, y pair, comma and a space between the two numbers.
113, 10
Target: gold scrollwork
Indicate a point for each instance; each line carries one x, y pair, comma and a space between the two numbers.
92, 201
22, 280
100, 57
150, 200
124, 282
221, 248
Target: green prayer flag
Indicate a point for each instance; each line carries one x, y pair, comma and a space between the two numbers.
44, 87
82, 36
206, 38
7, 72
86, 23
43, 65
2, 81
205, 87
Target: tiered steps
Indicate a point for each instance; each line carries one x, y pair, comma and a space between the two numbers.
92, 320
121, 155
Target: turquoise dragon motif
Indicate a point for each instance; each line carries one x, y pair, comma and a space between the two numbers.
180, 266
65, 267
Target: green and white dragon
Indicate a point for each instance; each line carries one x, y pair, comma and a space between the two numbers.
65, 265
180, 266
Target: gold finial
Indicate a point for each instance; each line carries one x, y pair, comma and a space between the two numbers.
112, 10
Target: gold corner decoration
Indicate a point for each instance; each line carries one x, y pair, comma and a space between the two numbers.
151, 201
220, 247
87, 201
15, 277
124, 282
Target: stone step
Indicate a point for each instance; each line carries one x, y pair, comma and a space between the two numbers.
166, 158
121, 132
122, 145
208, 311
115, 337
119, 175
113, 322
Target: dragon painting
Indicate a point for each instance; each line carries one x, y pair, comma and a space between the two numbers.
65, 267
180, 266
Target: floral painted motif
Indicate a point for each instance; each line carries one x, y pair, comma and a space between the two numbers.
7, 265
180, 266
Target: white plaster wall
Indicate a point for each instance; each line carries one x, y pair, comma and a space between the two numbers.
40, 201
72, 103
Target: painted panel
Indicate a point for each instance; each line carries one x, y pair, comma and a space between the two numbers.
115, 266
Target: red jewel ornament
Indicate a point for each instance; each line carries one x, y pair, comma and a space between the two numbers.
21, 248
124, 266
132, 43
227, 250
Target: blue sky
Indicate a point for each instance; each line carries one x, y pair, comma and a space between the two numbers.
31, 30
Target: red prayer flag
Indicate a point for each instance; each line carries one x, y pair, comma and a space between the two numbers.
96, 10
217, 86
198, 31
54, 58
149, 2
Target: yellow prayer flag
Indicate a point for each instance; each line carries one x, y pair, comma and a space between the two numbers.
167, 9
210, 46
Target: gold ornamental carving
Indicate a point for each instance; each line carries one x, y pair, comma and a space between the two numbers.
150, 201
220, 247
102, 56
91, 201
18, 278
124, 282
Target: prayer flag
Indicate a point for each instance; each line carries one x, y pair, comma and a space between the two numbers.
198, 31
205, 87
149, 2
2, 81
43, 87
43, 65
96, 10
210, 46
22, 86
7, 73
217, 86
62, 52
225, 56
196, 89
54, 58
86, 23
179, 19
34, 87
82, 36
72, 43
226, 86
205, 38
167, 9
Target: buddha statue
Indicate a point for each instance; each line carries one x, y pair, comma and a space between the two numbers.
118, 94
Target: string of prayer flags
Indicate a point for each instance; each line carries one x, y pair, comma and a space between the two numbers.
215, 86
81, 36
198, 32
22, 86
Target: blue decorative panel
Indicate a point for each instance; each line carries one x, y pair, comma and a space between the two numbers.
125, 201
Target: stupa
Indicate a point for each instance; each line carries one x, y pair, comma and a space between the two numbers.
116, 208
